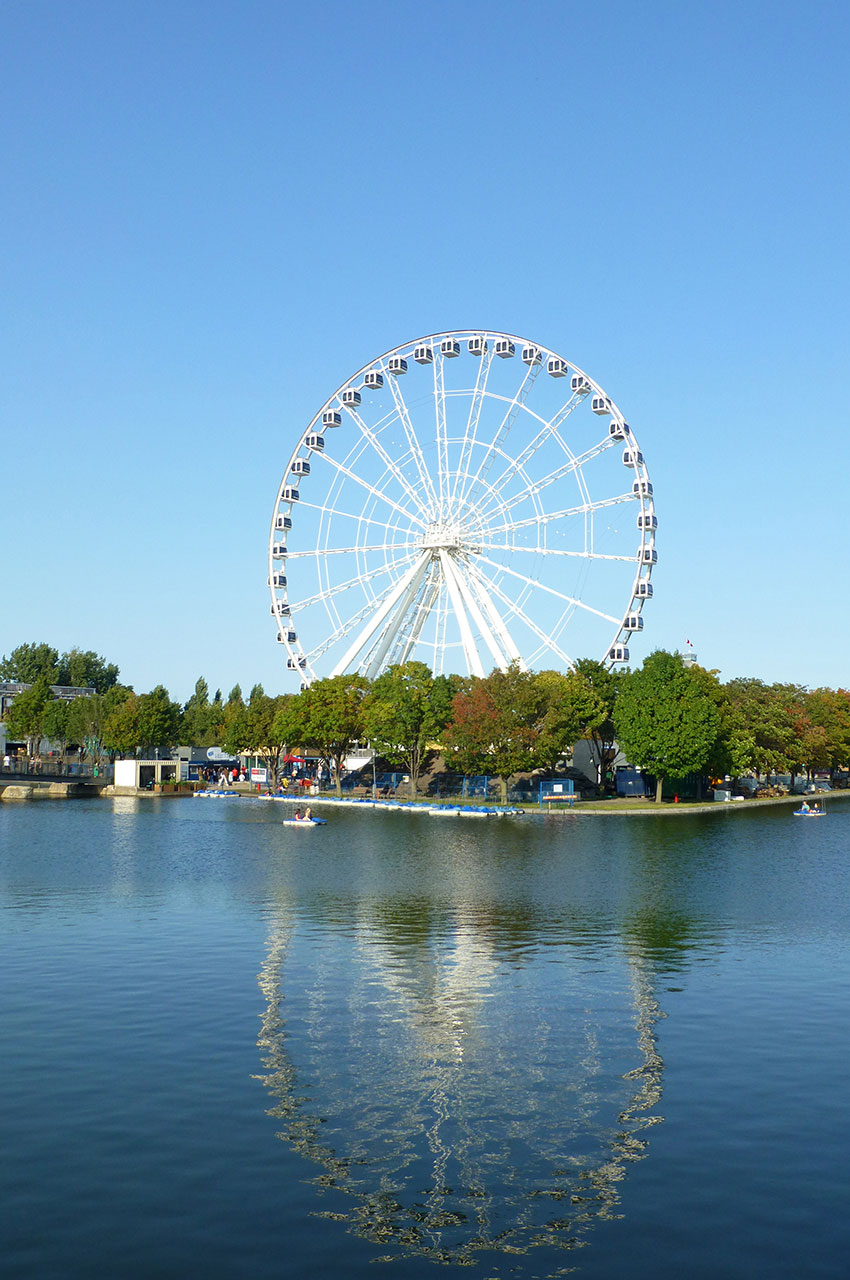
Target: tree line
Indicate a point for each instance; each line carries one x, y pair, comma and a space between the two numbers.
668, 717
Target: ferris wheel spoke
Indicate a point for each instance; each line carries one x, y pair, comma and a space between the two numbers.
502, 431
328, 592
583, 509
515, 610
442, 436
331, 512
321, 552
548, 431
536, 585
470, 435
340, 633
410, 434
575, 463
370, 488
390, 463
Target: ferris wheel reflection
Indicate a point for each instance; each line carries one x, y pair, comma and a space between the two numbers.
458, 1094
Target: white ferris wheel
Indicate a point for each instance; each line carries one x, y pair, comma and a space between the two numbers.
470, 500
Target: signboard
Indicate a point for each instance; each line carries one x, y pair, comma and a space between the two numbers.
216, 753
259, 775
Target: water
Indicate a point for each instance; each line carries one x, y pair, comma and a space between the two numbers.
600, 1046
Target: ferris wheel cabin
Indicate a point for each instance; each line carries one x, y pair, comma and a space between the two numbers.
449, 348
423, 355
532, 355
504, 348
618, 653
351, 397
557, 368
579, 384
397, 365
331, 418
477, 346
373, 380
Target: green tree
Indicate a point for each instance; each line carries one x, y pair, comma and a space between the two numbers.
86, 669
334, 719
573, 709
121, 731
87, 719
404, 711
666, 722
198, 716
830, 709
54, 724
25, 717
290, 721
30, 662
253, 729
600, 687
159, 719
763, 737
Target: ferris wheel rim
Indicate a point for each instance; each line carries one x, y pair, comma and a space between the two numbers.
285, 504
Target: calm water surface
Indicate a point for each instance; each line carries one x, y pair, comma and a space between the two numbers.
601, 1046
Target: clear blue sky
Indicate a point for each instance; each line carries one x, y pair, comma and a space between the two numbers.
214, 213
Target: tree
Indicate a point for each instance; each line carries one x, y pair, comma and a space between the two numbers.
604, 684
666, 722
30, 662
86, 669
25, 717
496, 723
198, 716
334, 719
574, 708
54, 723
253, 728
762, 735
290, 721
404, 711
87, 719
830, 709
121, 728
146, 722
159, 719
78, 667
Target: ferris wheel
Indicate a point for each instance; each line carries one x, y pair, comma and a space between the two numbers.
471, 499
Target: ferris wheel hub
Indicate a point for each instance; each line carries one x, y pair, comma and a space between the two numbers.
445, 534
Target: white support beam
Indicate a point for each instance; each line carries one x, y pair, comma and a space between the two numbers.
394, 622
473, 659
496, 622
414, 573
464, 581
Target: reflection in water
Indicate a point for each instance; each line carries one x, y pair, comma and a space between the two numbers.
465, 1098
